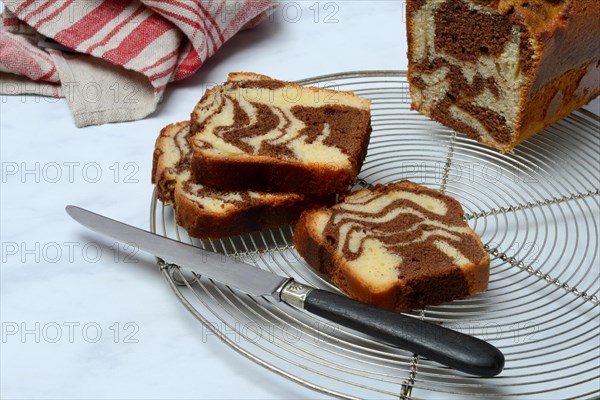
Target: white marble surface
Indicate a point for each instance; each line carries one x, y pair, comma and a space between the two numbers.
62, 303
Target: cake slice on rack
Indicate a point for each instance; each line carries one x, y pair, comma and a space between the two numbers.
257, 133
209, 213
502, 70
399, 246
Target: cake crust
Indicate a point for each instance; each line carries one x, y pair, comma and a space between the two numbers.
257, 133
502, 70
209, 213
399, 246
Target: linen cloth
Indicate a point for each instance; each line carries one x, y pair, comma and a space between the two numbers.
112, 59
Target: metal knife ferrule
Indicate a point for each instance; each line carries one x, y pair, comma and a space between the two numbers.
295, 293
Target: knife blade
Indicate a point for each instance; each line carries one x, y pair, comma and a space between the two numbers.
451, 348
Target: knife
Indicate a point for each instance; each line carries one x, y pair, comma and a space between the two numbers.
454, 349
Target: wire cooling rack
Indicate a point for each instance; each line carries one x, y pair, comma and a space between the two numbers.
537, 211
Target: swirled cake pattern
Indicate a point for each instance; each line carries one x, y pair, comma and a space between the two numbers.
253, 120
400, 246
207, 212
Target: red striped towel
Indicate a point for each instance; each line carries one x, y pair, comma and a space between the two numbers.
112, 59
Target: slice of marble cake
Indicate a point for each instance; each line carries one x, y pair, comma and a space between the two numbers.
209, 213
398, 246
502, 70
258, 133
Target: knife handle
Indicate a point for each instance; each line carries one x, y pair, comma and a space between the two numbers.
454, 349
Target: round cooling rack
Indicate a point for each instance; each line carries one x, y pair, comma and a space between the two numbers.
537, 211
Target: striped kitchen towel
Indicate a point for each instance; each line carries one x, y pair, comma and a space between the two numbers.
112, 59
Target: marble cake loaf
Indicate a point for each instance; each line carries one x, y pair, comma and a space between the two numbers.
398, 246
209, 213
502, 70
257, 133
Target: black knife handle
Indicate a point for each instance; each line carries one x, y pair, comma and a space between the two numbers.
454, 349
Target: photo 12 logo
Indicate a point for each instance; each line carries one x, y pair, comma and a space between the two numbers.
69, 172
69, 332
320, 12
71, 252
89, 92
270, 332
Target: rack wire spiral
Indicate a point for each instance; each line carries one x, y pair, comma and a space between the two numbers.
537, 211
